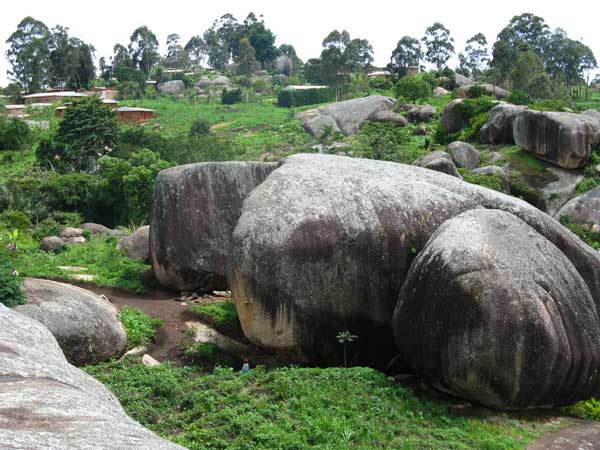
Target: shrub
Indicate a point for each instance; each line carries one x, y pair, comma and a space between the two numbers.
200, 127
11, 291
519, 97
488, 181
587, 409
14, 134
380, 82
231, 97
586, 233
199, 352
130, 90
412, 88
140, 327
549, 105
15, 219
476, 91
289, 98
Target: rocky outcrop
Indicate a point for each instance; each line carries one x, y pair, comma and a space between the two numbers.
171, 87
440, 92
100, 230
498, 128
219, 82
195, 210
346, 116
464, 155
46, 403
461, 80
592, 113
584, 209
422, 113
388, 117
137, 245
453, 118
489, 89
71, 235
85, 325
324, 244
496, 313
556, 193
564, 139
440, 162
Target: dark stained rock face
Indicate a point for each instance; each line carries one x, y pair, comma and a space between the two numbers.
86, 326
494, 312
495, 171
195, 210
499, 126
137, 245
453, 118
46, 403
564, 139
324, 245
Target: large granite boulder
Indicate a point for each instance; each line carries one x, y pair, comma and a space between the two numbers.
421, 113
137, 244
346, 116
499, 126
440, 162
464, 155
325, 242
453, 118
86, 326
52, 243
284, 65
559, 191
564, 139
584, 209
46, 403
388, 117
592, 113
461, 80
440, 92
172, 87
489, 89
496, 313
195, 210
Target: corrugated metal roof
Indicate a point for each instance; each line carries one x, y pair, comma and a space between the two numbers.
132, 109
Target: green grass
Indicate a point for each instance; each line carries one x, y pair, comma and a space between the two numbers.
111, 267
140, 327
592, 103
301, 408
222, 314
11, 163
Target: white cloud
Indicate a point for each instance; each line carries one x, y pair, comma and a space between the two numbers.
302, 24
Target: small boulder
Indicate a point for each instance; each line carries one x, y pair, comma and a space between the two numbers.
52, 243
493, 158
207, 335
137, 246
490, 171
464, 155
71, 232
440, 92
75, 240
422, 113
171, 87
388, 117
149, 361
453, 118
584, 209
461, 80
220, 81
440, 162
85, 325
97, 229
136, 351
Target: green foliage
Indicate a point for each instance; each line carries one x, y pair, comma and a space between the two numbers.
130, 90
476, 91
388, 142
488, 181
110, 266
200, 352
89, 129
300, 408
518, 97
519, 188
549, 105
300, 97
140, 327
200, 127
15, 134
585, 409
232, 96
473, 128
412, 88
221, 314
15, 220
11, 286
585, 232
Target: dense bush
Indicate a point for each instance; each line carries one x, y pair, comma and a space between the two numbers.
11, 291
200, 127
550, 105
231, 97
130, 90
140, 327
518, 97
388, 142
15, 219
587, 409
14, 134
412, 88
219, 314
288, 98
476, 91
381, 83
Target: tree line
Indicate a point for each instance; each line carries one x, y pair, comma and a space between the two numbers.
526, 52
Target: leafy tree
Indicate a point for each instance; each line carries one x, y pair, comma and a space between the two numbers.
261, 38
529, 75
406, 54
439, 45
71, 60
567, 60
246, 60
28, 54
196, 50
475, 57
218, 52
89, 130
121, 57
176, 56
13, 91
413, 88
143, 48
15, 134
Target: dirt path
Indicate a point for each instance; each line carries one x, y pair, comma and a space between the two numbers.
581, 435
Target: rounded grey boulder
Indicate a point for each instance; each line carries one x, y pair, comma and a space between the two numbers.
137, 245
440, 162
491, 171
172, 87
584, 209
388, 117
498, 128
453, 118
46, 403
85, 325
52, 243
494, 312
464, 155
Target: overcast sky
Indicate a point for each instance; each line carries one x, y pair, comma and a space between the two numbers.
303, 24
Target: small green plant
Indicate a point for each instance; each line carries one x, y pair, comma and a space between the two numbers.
15, 219
223, 314
200, 352
585, 409
11, 239
200, 127
231, 97
345, 338
140, 327
11, 292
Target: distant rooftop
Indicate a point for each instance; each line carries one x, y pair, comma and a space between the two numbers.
302, 87
55, 94
379, 73
132, 109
